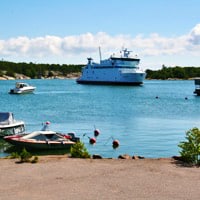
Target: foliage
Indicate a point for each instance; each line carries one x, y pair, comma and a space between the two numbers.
191, 148
36, 70
25, 156
10, 73
173, 72
78, 150
14, 155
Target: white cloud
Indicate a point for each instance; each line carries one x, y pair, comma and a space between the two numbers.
194, 36
53, 48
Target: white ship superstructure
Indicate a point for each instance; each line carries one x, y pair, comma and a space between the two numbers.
122, 69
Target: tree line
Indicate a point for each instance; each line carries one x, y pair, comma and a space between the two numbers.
34, 70
173, 72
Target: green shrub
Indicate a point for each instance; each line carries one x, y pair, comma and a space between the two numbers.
25, 156
14, 155
78, 150
190, 152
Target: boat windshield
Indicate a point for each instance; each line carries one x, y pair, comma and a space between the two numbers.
21, 85
46, 137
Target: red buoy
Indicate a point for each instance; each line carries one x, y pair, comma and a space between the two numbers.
92, 140
96, 132
115, 144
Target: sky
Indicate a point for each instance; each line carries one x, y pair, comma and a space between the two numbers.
159, 32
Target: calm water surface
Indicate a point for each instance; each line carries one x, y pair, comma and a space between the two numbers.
144, 125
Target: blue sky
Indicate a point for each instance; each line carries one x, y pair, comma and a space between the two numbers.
68, 31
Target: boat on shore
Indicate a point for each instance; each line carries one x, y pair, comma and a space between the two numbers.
43, 140
10, 126
197, 86
116, 70
22, 88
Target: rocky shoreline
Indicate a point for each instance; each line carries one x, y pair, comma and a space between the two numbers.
54, 76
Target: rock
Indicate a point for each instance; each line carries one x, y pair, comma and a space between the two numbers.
179, 158
96, 156
8, 77
141, 157
124, 156
137, 157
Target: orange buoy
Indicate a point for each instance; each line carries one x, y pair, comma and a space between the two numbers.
115, 144
96, 132
92, 140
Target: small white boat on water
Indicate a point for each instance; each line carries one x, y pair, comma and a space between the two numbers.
22, 88
10, 126
120, 69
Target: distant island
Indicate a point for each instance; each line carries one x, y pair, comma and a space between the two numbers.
176, 72
12, 70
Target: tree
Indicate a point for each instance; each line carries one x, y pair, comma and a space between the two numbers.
191, 148
78, 150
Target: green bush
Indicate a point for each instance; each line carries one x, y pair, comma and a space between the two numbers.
14, 155
25, 156
190, 152
78, 150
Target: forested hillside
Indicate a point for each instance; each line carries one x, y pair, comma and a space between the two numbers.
33, 70
174, 73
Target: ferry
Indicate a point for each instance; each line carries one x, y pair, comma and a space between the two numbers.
121, 70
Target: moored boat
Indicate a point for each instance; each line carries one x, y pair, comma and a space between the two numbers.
119, 70
22, 88
43, 140
197, 86
40, 140
10, 126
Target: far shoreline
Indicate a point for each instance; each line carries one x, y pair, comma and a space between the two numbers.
19, 77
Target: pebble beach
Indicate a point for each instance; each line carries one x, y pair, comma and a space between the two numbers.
61, 178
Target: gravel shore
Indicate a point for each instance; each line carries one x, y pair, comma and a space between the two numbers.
62, 178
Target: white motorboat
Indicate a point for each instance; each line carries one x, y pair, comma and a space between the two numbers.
10, 126
122, 70
22, 88
43, 140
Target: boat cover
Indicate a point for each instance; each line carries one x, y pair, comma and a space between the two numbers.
6, 118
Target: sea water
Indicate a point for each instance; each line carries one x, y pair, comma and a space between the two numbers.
148, 120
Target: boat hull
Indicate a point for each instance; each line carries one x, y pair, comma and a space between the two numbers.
197, 92
12, 91
38, 145
108, 82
